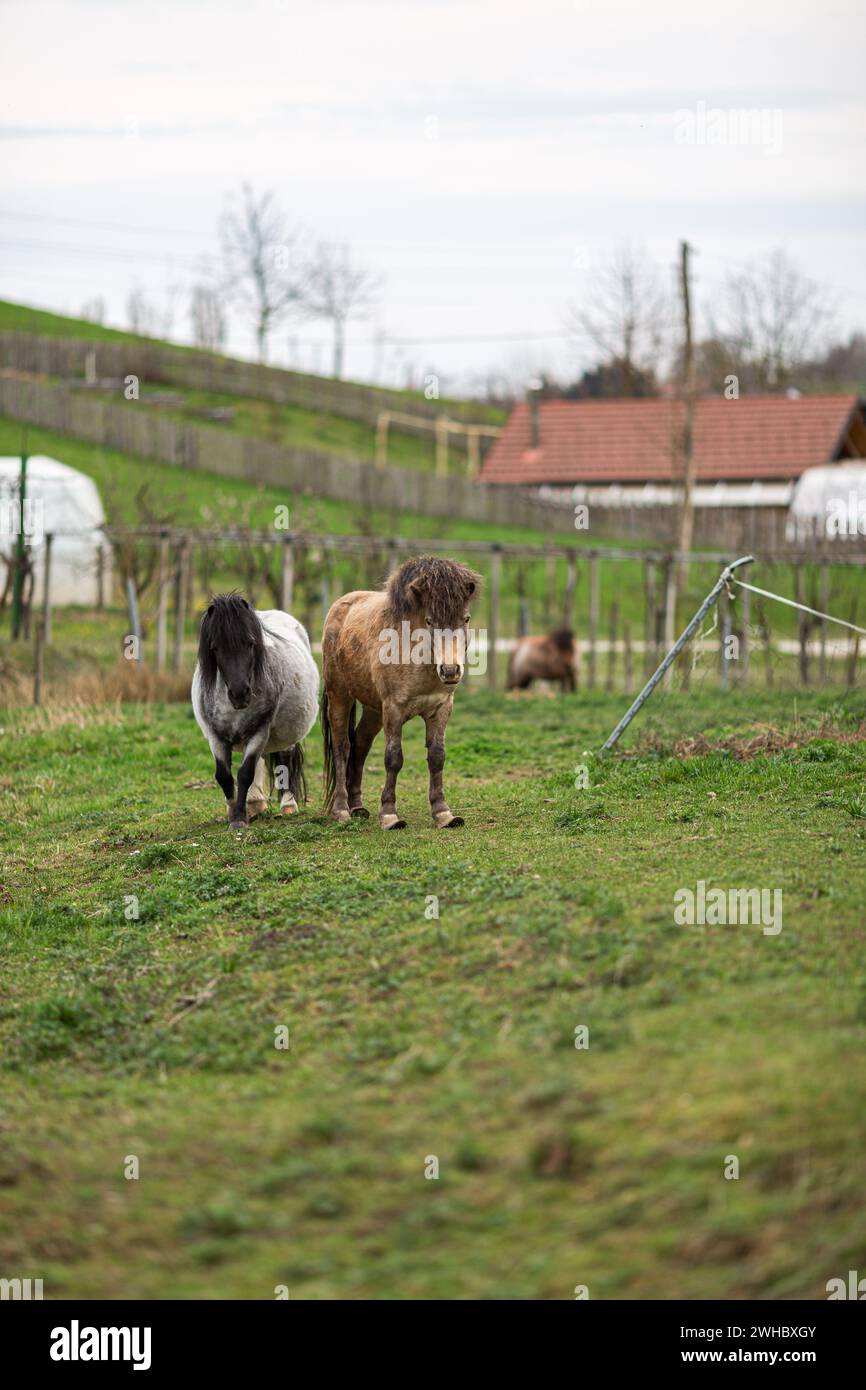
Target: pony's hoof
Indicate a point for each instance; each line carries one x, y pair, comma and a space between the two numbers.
288, 807
391, 822
361, 812
256, 808
445, 821
236, 826
340, 815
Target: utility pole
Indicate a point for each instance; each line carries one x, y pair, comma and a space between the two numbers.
678, 572
687, 512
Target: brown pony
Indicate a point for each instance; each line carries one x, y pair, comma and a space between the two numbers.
550, 658
400, 652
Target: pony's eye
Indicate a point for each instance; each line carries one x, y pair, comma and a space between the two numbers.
466, 617
429, 622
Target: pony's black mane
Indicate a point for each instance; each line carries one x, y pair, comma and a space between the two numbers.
441, 587
228, 627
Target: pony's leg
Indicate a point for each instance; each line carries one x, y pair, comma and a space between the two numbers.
282, 781
238, 816
368, 728
393, 725
222, 755
439, 808
338, 718
257, 796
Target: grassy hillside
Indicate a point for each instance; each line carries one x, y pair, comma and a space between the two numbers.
152, 1036
22, 318
293, 426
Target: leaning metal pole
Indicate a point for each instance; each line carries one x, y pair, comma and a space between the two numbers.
675, 650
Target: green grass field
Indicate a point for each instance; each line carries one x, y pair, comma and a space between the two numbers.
410, 1038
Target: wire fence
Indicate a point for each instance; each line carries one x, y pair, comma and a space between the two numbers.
150, 584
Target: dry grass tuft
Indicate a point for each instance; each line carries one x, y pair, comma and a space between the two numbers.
88, 698
769, 740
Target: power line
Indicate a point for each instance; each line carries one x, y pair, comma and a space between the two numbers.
102, 253
96, 226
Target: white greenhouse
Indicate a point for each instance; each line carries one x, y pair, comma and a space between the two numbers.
66, 504
829, 502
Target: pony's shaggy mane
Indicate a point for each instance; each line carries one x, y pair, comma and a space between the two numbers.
228, 627
441, 588
562, 638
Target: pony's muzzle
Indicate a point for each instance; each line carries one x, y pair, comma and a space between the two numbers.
240, 698
449, 675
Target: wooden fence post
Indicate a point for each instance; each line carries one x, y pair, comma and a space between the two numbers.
382, 439
627, 659
669, 613
745, 613
724, 637
611, 647
134, 620
161, 601
473, 449
649, 636
493, 627
181, 600
824, 604
570, 586
46, 592
550, 603
803, 625
853, 651
442, 446
768, 653
593, 618
287, 575
39, 663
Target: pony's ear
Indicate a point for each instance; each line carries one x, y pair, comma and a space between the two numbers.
244, 602
416, 590
470, 588
210, 608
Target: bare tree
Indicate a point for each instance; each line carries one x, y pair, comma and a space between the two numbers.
93, 310
145, 316
207, 316
142, 314
265, 264
339, 290
626, 317
772, 318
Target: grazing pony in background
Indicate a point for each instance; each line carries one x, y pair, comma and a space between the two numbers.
255, 688
399, 652
550, 658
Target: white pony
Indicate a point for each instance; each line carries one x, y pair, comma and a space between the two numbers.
255, 688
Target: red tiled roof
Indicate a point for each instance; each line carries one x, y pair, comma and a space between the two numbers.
626, 441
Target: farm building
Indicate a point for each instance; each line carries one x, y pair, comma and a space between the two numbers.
625, 453
65, 503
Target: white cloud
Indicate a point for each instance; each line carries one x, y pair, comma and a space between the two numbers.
555, 126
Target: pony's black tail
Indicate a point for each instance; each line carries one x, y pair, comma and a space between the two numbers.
293, 762
329, 772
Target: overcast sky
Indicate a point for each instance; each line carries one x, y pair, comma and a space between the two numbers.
486, 157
